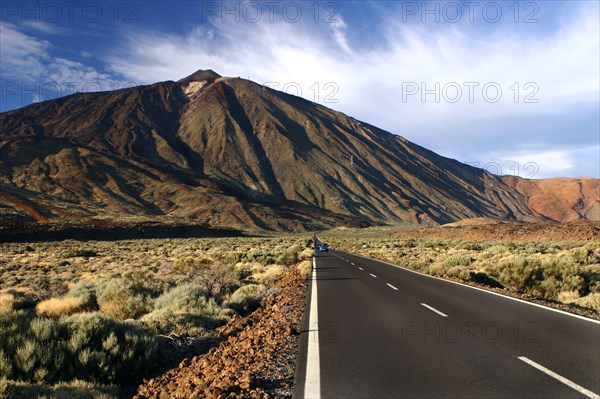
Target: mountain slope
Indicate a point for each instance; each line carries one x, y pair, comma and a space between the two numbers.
560, 199
229, 152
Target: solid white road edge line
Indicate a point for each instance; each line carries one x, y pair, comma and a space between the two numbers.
312, 384
391, 286
486, 291
560, 378
434, 310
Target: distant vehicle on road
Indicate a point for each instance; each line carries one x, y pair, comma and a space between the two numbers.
323, 247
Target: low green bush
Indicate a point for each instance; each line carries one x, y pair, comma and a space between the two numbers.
63, 390
186, 310
120, 300
457, 260
88, 346
246, 299
289, 257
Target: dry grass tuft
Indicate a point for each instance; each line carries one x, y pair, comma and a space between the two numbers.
58, 307
591, 301
269, 274
305, 268
6, 301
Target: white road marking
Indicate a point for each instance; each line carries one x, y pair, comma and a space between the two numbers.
434, 310
391, 286
361, 268
560, 378
312, 384
352, 263
372, 275
486, 291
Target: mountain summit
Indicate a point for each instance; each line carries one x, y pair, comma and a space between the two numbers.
230, 152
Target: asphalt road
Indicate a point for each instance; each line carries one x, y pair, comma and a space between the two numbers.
380, 331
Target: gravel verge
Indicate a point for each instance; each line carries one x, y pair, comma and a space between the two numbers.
255, 359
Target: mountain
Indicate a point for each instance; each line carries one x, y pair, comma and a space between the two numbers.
232, 153
560, 199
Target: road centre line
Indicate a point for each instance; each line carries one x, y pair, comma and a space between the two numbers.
434, 310
484, 290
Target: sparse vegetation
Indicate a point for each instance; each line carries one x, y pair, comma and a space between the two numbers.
105, 310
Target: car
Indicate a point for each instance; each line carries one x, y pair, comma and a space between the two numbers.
323, 247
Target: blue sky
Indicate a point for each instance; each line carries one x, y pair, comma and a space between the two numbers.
509, 86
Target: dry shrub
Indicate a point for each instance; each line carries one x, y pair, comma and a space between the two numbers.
289, 256
117, 299
269, 274
461, 272
186, 309
305, 268
436, 269
568, 296
57, 307
246, 299
6, 301
591, 301
307, 253
217, 278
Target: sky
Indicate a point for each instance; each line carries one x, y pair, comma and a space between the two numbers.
509, 86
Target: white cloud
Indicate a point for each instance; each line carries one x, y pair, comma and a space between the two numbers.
562, 67
43, 27
544, 163
21, 56
28, 62
338, 27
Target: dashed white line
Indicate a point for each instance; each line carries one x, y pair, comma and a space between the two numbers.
391, 286
560, 378
352, 263
434, 310
312, 384
361, 268
484, 290
372, 275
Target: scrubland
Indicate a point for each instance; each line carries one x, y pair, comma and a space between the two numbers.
92, 318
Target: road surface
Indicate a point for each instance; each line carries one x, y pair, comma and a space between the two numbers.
375, 330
